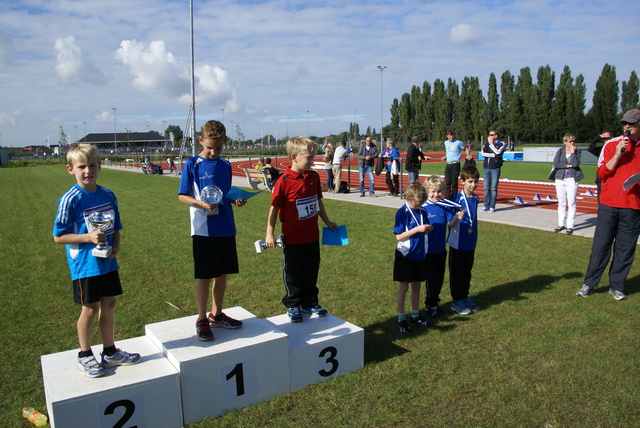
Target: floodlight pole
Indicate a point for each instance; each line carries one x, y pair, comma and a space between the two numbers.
381, 67
193, 87
115, 141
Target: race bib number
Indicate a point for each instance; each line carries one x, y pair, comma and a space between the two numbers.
307, 207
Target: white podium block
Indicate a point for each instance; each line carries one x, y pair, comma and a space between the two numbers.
239, 368
144, 395
321, 348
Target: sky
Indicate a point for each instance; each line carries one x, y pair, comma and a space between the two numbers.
279, 67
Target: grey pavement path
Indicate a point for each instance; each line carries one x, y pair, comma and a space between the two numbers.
528, 216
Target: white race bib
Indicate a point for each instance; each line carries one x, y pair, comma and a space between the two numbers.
307, 207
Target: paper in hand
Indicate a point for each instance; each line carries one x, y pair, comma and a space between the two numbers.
339, 237
236, 193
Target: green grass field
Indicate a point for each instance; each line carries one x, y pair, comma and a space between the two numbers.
534, 356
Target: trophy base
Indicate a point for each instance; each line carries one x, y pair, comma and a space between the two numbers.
101, 252
213, 212
260, 246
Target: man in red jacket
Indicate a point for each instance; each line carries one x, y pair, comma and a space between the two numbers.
618, 211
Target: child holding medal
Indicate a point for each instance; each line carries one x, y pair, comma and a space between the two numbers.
411, 228
462, 243
443, 215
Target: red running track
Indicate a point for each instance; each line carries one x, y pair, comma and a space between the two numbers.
507, 190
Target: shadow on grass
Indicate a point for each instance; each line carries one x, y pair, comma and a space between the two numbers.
380, 338
516, 290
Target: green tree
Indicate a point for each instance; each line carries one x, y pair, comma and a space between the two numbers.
177, 133
493, 107
471, 110
453, 93
544, 93
406, 115
440, 110
426, 115
604, 111
630, 96
523, 108
506, 117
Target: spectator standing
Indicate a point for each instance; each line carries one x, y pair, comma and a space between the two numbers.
339, 155
492, 152
328, 166
367, 155
390, 157
453, 149
566, 173
414, 159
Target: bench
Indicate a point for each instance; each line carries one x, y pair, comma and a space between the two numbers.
256, 177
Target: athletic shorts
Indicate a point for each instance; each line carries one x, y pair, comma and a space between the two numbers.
94, 288
214, 256
405, 270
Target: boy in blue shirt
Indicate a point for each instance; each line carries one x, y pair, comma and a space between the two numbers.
442, 216
411, 226
96, 282
462, 243
213, 230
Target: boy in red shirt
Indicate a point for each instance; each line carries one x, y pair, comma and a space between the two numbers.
297, 199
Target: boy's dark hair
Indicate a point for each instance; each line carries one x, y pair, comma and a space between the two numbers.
213, 129
469, 172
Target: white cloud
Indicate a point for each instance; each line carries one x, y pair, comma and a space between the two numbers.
72, 66
9, 119
464, 34
155, 69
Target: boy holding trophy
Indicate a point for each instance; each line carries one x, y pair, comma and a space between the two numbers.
205, 179
88, 215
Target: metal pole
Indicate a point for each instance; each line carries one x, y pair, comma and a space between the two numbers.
193, 87
381, 67
115, 141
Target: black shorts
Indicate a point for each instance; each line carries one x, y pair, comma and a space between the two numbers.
405, 270
214, 256
94, 288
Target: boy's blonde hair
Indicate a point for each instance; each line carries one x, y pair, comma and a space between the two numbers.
82, 153
300, 146
433, 182
415, 193
213, 129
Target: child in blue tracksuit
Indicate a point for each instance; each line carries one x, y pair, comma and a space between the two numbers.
411, 226
442, 216
462, 244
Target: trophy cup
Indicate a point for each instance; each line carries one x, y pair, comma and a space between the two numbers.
261, 245
211, 195
101, 221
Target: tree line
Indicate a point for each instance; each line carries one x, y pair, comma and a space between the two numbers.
518, 109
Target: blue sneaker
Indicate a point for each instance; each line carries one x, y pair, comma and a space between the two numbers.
315, 310
472, 305
460, 307
120, 358
90, 366
294, 314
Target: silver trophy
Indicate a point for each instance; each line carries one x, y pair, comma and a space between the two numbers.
261, 245
211, 195
101, 221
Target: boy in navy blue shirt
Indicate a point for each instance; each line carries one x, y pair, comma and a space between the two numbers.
462, 243
442, 216
411, 226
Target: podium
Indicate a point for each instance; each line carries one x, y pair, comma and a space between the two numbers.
320, 348
239, 368
181, 380
144, 395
